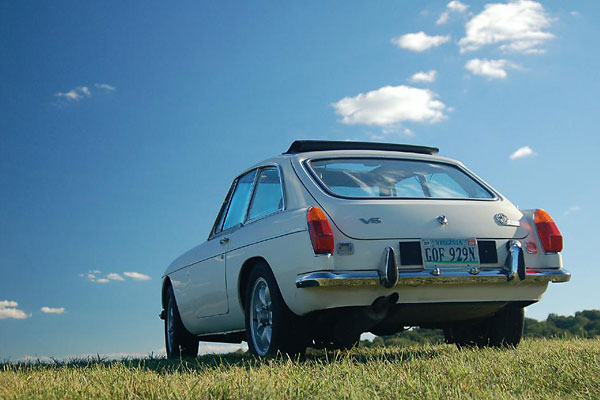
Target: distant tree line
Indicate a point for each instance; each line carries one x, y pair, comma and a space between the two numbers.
584, 324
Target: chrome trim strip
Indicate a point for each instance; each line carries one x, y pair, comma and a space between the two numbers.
282, 234
420, 278
286, 233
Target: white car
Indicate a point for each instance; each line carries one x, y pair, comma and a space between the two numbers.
333, 239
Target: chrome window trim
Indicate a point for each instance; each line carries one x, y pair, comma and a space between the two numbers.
311, 173
233, 186
252, 193
277, 168
234, 227
223, 209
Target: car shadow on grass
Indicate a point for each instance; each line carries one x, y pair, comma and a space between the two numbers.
247, 361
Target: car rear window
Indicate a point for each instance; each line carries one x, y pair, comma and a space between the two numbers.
396, 178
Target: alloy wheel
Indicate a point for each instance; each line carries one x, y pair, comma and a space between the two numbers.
261, 316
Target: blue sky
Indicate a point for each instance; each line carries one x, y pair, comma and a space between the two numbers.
122, 126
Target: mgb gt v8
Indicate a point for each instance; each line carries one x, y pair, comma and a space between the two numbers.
333, 239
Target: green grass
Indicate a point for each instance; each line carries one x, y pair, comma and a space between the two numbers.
536, 369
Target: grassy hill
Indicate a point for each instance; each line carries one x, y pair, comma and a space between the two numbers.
538, 368
584, 324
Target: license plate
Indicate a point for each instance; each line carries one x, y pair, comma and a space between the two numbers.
450, 253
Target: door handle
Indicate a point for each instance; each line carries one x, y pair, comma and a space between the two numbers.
224, 241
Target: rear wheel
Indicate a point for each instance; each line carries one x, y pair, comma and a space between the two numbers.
178, 341
349, 344
331, 343
270, 325
468, 334
504, 329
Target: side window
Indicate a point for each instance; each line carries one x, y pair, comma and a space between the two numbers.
219, 222
268, 197
239, 201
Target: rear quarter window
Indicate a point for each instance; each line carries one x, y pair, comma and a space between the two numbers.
268, 197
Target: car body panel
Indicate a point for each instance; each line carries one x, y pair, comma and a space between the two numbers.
411, 218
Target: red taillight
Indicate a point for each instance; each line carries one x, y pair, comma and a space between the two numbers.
552, 240
321, 235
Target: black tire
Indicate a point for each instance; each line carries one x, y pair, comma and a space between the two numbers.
506, 327
503, 329
178, 341
271, 319
468, 334
448, 337
349, 345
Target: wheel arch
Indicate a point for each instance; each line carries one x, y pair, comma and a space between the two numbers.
243, 276
163, 293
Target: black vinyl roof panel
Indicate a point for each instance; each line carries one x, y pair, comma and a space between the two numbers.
305, 146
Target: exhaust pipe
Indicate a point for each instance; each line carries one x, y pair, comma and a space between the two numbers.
383, 303
362, 319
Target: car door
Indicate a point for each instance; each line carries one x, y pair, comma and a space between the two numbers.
208, 277
267, 200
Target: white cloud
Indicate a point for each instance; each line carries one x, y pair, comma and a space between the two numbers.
423, 76
114, 277
105, 86
574, 13
443, 18
8, 309
95, 276
53, 310
522, 152
419, 41
493, 69
391, 105
453, 6
81, 92
137, 276
457, 6
92, 275
75, 94
572, 209
517, 26
8, 303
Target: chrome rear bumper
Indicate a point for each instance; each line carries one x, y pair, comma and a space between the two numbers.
433, 277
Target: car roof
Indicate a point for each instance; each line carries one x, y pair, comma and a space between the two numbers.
374, 152
306, 146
